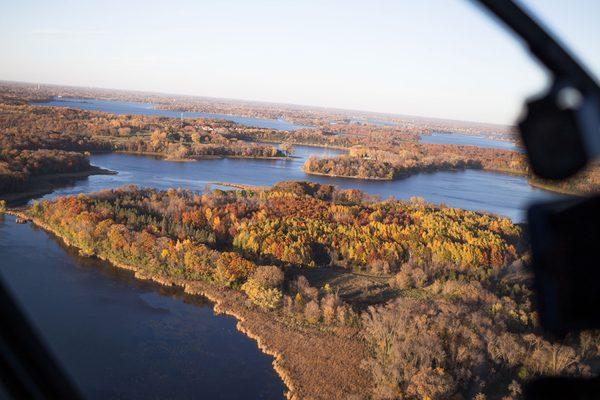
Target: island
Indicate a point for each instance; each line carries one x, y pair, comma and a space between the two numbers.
352, 296
409, 158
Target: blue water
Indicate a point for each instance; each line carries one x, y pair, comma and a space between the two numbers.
470, 189
123, 107
468, 140
122, 338
473, 190
119, 337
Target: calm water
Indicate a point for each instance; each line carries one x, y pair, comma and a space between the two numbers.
123, 338
119, 337
470, 189
123, 107
468, 140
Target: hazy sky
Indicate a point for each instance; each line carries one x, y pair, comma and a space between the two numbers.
441, 58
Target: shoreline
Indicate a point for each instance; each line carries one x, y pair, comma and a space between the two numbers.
45, 184
399, 177
346, 176
194, 158
533, 183
553, 189
321, 146
239, 185
287, 342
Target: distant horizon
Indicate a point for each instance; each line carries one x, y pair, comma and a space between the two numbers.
447, 60
266, 102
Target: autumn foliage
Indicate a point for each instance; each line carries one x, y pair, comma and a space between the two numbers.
460, 319
410, 157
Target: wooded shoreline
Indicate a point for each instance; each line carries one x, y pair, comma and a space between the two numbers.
287, 343
45, 184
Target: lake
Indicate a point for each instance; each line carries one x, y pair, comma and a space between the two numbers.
119, 337
129, 108
468, 140
473, 190
470, 189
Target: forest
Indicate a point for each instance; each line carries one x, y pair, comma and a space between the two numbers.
409, 158
437, 299
24, 126
367, 168
17, 167
375, 151
70, 129
50, 130
36, 141
458, 317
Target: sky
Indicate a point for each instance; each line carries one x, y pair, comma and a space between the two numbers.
434, 58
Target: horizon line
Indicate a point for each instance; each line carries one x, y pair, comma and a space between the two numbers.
267, 102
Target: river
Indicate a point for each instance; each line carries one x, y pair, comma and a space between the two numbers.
119, 337
473, 190
468, 140
470, 189
124, 107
